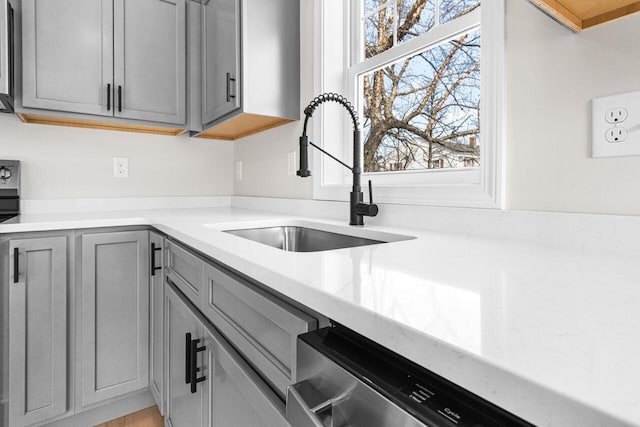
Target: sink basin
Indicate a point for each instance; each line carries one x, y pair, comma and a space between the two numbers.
301, 239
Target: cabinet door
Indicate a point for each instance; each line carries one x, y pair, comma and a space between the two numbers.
222, 85
183, 407
67, 54
236, 395
114, 326
6, 84
37, 330
150, 60
156, 359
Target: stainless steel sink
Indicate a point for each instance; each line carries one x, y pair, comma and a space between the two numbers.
301, 239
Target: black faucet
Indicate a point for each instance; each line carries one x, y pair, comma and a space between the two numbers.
358, 209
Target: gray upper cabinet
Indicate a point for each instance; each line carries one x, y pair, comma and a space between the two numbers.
67, 55
150, 60
37, 330
114, 319
118, 58
6, 74
221, 61
156, 299
251, 66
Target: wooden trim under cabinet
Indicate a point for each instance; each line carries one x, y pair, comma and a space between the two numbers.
90, 124
579, 15
242, 125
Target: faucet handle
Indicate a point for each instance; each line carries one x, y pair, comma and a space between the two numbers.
364, 209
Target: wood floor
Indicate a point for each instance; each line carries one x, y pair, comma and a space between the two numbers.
149, 417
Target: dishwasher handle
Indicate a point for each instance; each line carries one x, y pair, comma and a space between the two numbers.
321, 413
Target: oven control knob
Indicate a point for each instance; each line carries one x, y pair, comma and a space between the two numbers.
5, 173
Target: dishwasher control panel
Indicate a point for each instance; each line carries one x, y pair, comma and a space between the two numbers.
434, 402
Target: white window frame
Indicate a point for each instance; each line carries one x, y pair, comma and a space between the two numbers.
469, 187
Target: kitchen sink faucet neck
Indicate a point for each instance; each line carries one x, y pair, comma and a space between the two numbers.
358, 209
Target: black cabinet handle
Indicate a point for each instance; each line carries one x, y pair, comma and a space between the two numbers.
119, 99
187, 359
16, 265
229, 80
108, 96
153, 259
194, 365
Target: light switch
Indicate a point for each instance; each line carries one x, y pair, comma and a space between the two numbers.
291, 163
238, 171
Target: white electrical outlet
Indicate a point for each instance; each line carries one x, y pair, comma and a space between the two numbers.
616, 125
617, 134
616, 115
121, 167
291, 163
238, 170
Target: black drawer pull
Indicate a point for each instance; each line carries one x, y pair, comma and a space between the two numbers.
16, 265
229, 80
153, 259
119, 99
187, 359
194, 365
108, 96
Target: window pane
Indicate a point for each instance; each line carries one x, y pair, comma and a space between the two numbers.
379, 26
452, 9
423, 112
416, 18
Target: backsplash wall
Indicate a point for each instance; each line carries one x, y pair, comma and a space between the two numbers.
552, 74
60, 162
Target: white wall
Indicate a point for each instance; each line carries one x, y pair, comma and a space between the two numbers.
264, 155
551, 76
60, 162
264, 164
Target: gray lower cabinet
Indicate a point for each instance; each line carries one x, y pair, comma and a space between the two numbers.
229, 394
114, 318
185, 270
116, 58
262, 327
37, 330
236, 395
184, 408
156, 326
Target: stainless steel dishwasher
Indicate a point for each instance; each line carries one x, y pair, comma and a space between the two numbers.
346, 380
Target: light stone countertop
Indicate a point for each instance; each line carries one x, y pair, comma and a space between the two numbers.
547, 333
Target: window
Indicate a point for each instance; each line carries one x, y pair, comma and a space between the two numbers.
426, 78
420, 110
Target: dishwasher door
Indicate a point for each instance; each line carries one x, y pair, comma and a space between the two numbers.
346, 380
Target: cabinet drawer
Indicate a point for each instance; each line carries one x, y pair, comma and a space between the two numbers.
185, 271
262, 327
